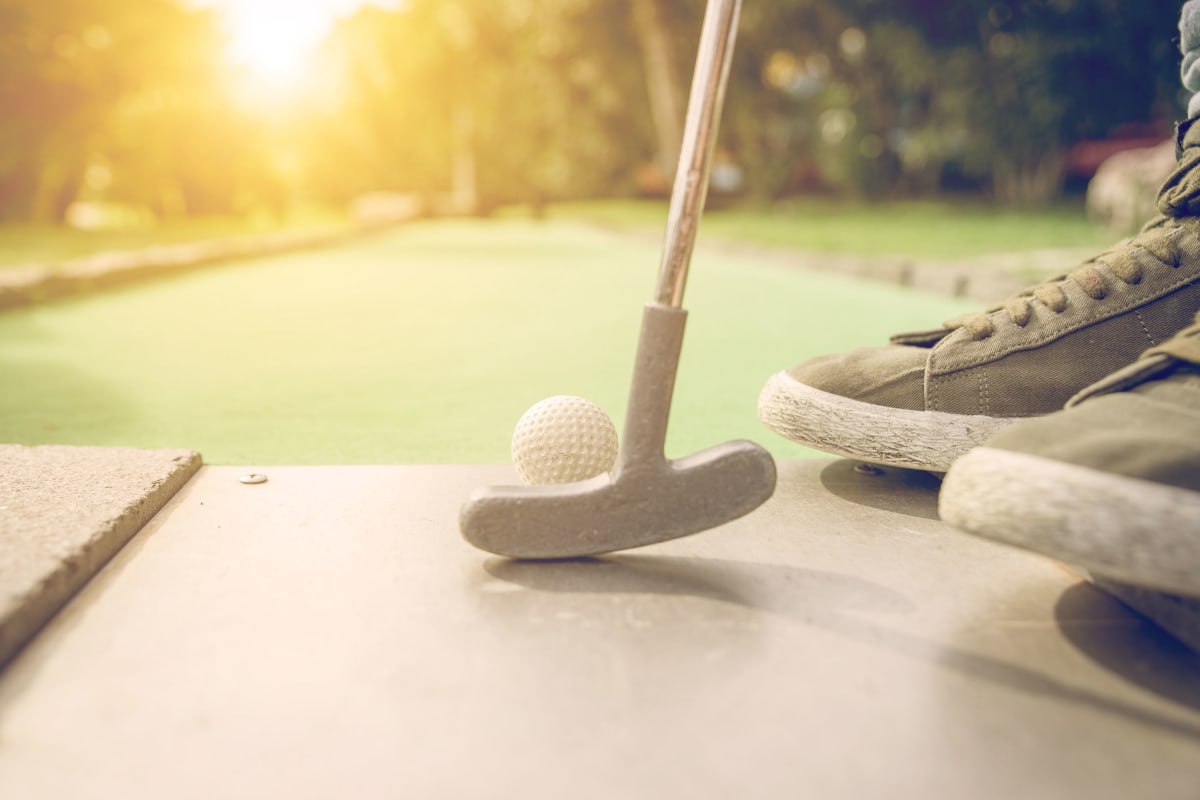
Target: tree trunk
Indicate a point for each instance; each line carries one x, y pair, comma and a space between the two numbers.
662, 83
55, 190
17, 188
1032, 181
464, 192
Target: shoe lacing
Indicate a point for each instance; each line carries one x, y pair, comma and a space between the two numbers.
1156, 238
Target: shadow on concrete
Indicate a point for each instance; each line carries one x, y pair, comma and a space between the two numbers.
902, 491
1136, 650
763, 587
833, 603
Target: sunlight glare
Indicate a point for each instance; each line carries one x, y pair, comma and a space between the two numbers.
273, 38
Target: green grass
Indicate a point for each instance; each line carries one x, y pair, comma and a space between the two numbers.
49, 244
936, 230
419, 345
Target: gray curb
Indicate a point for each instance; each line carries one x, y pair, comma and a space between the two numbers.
64, 512
984, 279
37, 283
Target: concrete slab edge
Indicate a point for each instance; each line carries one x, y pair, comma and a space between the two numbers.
38, 603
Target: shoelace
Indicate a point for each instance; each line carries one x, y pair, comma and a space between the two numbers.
1157, 239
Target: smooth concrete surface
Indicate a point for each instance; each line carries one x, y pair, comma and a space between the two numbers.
329, 634
64, 511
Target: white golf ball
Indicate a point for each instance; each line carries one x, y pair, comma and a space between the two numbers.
563, 439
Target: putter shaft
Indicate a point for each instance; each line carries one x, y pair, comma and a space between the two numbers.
699, 140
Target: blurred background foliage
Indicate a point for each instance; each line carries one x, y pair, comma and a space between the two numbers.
475, 104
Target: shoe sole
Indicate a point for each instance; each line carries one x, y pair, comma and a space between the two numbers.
1125, 529
929, 440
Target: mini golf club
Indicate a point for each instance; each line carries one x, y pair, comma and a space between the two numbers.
646, 499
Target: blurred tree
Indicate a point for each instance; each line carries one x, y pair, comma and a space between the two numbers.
84, 83
500, 101
1024, 79
654, 23
890, 95
507, 101
783, 81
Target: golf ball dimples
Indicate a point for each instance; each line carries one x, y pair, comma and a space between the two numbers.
563, 439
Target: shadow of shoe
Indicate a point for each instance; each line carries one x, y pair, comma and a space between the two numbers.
1133, 648
903, 491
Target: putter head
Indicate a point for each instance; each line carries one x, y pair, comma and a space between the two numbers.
643, 504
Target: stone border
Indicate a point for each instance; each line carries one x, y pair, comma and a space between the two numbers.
22, 285
986, 279
36, 283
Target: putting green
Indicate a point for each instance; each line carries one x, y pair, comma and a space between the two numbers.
423, 344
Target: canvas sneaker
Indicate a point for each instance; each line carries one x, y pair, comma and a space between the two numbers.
928, 397
1111, 483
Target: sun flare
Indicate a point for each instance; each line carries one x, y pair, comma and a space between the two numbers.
274, 39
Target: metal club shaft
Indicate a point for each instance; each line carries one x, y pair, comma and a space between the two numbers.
690, 190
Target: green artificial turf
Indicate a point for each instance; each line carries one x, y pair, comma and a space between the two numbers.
419, 345
933, 229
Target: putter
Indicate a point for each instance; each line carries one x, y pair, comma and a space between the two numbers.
647, 499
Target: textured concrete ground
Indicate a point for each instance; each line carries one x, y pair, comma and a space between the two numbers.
328, 633
64, 512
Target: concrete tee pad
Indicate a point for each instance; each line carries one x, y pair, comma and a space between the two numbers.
328, 633
64, 512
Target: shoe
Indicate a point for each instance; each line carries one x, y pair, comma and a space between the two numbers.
928, 397
1110, 484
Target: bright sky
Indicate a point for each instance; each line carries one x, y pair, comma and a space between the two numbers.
273, 37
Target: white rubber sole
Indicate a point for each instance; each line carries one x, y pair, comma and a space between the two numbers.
1139, 532
929, 440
